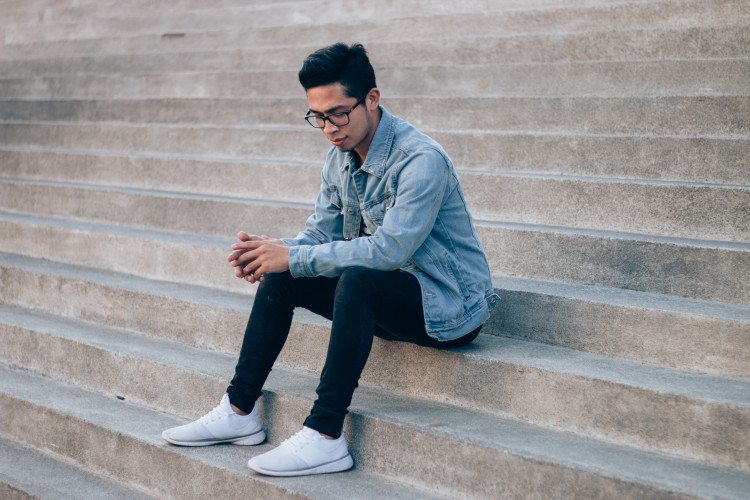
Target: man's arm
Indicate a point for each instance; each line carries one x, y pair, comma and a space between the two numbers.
256, 255
422, 185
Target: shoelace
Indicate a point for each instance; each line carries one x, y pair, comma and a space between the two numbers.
213, 415
299, 440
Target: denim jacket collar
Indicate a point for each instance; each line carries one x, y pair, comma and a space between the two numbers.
377, 156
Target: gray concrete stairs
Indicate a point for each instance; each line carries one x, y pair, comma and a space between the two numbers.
604, 147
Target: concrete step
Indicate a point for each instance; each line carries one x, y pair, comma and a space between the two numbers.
520, 20
200, 214
654, 329
717, 270
250, 178
44, 12
698, 211
703, 77
123, 441
263, 16
672, 266
109, 9
188, 473
124, 369
677, 116
28, 473
649, 157
546, 14
637, 45
649, 328
586, 387
208, 175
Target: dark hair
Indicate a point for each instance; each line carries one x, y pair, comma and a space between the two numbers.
339, 63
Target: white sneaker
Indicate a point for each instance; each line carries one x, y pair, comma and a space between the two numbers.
220, 425
307, 452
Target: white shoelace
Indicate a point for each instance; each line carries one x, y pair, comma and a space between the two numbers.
213, 415
299, 440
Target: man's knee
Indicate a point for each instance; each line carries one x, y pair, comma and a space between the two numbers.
358, 278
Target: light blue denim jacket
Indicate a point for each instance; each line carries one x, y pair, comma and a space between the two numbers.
416, 219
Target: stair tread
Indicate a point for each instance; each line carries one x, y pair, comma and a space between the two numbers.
145, 426
42, 476
463, 425
504, 351
33, 156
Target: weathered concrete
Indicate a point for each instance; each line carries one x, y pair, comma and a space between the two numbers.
520, 20
720, 116
603, 149
123, 441
38, 475
518, 457
726, 41
667, 78
649, 407
717, 270
653, 157
707, 212
656, 329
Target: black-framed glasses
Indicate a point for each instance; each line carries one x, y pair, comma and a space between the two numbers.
337, 119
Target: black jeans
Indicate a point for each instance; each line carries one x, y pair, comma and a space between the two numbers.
361, 303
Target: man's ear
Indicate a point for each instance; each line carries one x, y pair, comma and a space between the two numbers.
373, 99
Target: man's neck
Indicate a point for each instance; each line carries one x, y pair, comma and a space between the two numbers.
360, 152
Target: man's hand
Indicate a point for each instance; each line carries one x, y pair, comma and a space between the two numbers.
256, 255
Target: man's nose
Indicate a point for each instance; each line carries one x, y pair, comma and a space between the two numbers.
328, 124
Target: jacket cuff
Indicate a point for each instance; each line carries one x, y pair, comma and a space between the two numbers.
298, 257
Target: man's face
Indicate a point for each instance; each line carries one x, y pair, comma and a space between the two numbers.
357, 134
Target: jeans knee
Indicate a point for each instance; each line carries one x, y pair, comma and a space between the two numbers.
357, 279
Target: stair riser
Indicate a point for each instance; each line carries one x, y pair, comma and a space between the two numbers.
286, 16
160, 260
703, 160
254, 180
402, 453
644, 335
725, 42
632, 416
713, 274
661, 210
650, 336
689, 212
618, 79
198, 216
199, 325
595, 408
712, 116
168, 474
703, 273
656, 15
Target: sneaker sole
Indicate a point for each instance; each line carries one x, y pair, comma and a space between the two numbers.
340, 465
250, 440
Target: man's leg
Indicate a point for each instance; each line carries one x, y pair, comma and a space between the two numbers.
265, 335
367, 303
268, 328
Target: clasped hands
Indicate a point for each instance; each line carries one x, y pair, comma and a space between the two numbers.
255, 256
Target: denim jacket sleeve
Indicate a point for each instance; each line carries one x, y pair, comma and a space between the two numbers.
423, 180
325, 222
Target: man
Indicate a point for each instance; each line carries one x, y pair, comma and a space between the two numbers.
389, 251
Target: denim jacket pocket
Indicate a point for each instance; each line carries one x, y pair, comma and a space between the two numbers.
335, 198
374, 212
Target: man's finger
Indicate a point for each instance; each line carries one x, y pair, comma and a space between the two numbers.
248, 245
